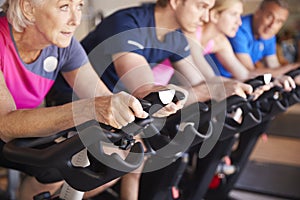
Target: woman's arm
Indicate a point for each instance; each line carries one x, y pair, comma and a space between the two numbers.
115, 110
203, 67
16, 123
203, 84
230, 62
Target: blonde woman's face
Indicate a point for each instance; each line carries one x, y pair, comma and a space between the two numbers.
229, 20
57, 20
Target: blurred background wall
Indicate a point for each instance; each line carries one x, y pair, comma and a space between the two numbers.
96, 8
106, 7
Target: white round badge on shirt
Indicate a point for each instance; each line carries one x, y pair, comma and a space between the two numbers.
261, 46
50, 64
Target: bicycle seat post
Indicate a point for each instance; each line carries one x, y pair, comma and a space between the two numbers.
67, 192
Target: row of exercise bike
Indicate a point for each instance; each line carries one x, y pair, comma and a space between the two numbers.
184, 150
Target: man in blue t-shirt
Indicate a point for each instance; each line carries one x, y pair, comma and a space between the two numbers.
255, 43
255, 40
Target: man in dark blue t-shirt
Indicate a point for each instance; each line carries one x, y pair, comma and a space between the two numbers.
132, 31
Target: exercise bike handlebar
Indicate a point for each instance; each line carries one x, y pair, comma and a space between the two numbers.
188, 127
30, 151
192, 119
45, 153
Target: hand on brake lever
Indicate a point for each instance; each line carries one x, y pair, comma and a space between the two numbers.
259, 91
173, 98
286, 82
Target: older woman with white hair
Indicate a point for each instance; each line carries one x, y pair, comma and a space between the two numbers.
37, 43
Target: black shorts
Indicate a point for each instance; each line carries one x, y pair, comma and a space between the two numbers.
48, 175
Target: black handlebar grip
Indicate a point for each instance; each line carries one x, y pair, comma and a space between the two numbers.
161, 98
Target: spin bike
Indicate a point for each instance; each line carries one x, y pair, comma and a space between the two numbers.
83, 164
270, 104
195, 125
220, 127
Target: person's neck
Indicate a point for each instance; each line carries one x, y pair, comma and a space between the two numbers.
209, 32
165, 21
28, 46
255, 21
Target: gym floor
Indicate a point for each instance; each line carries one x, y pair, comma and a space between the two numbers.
281, 149
242, 195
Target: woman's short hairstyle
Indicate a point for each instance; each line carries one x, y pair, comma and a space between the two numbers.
221, 5
15, 15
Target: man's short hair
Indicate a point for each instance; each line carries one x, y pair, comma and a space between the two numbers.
162, 3
282, 3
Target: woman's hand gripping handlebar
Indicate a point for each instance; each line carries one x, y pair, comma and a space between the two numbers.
152, 103
90, 135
